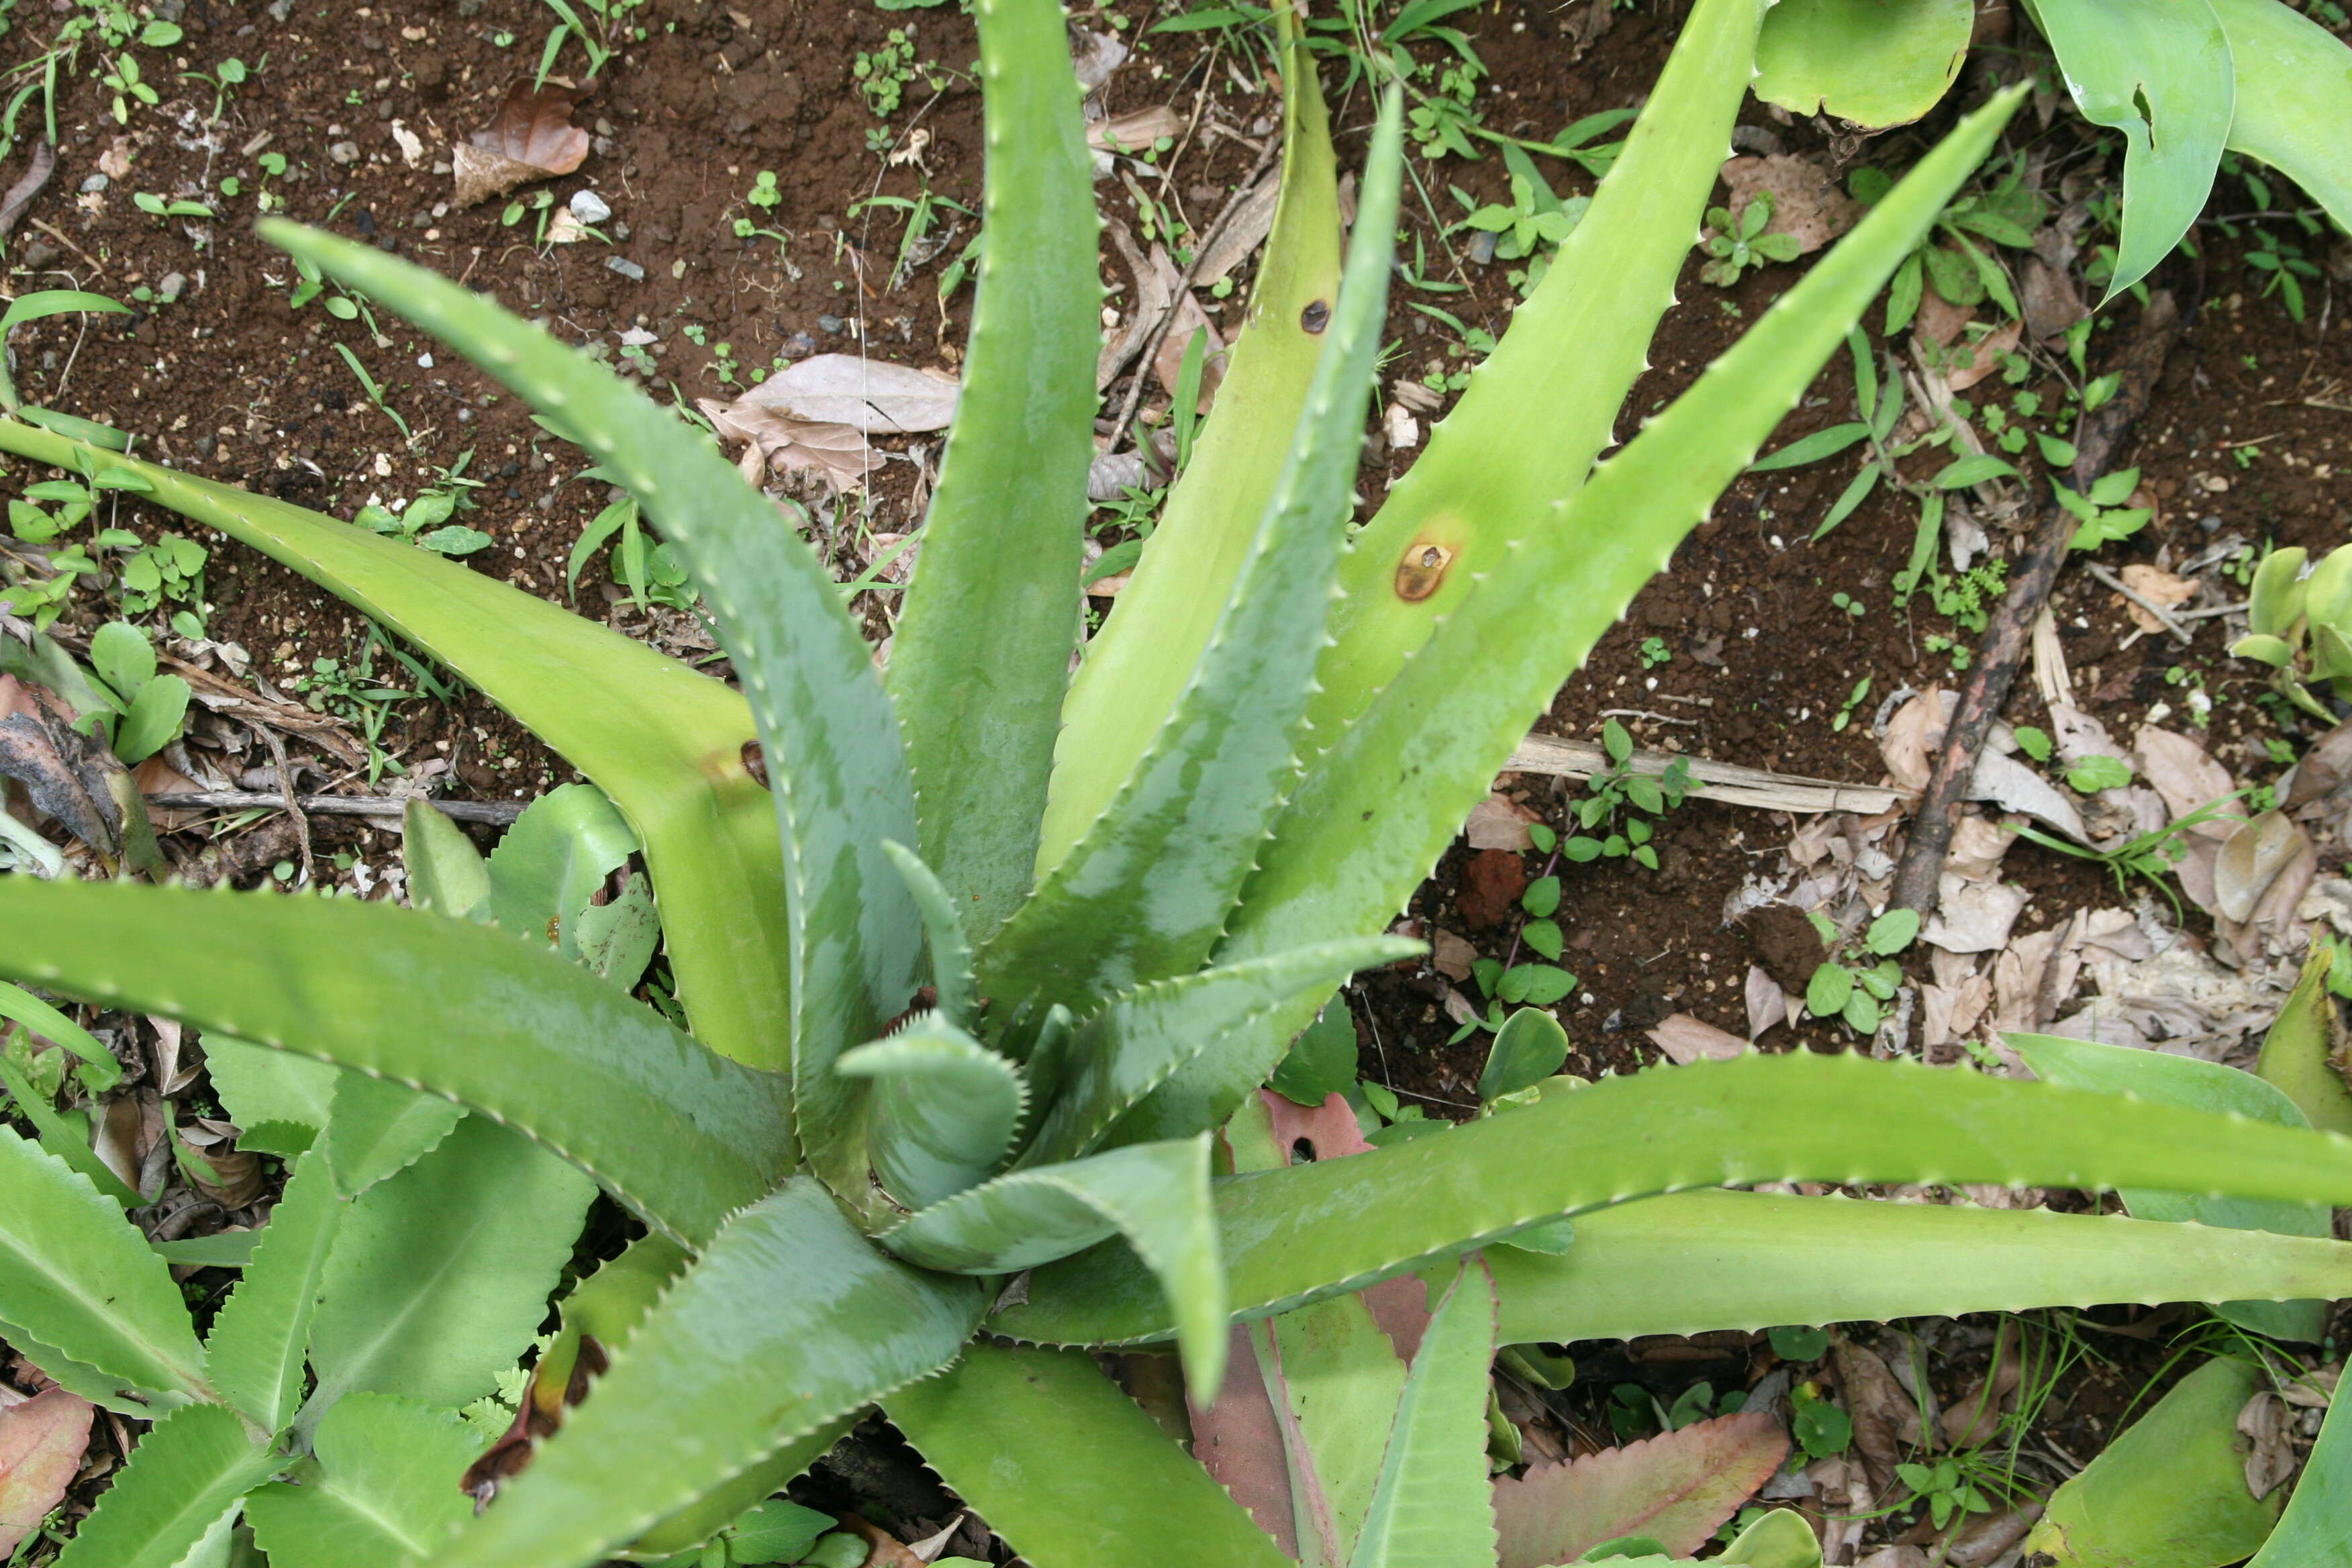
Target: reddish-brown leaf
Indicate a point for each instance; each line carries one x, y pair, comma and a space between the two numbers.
530, 137
41, 1444
1678, 1488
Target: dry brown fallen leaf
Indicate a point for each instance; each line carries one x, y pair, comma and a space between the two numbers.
2272, 1458
1450, 955
1883, 1416
1134, 131
1686, 1040
1984, 357
2158, 586
1498, 822
530, 137
236, 1178
773, 440
2185, 776
1807, 206
1768, 1004
2251, 860
872, 395
41, 1444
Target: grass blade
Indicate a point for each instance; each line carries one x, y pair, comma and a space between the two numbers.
981, 658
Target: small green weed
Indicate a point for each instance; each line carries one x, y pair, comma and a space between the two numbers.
1740, 245
1847, 985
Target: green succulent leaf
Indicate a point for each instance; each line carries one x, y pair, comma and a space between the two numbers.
2203, 1086
679, 1134
1307, 1232
1156, 1195
1068, 1468
187, 1472
945, 1109
75, 1277
553, 861
2297, 1052
664, 743
261, 1088
381, 1495
2160, 72
262, 1333
1137, 1043
1144, 657
1369, 819
2171, 1488
982, 656
446, 872
441, 1274
2276, 598
1771, 1260
1529, 1048
1433, 1506
1148, 889
2294, 91
378, 1127
943, 929
706, 1389
1874, 64
826, 729
1550, 393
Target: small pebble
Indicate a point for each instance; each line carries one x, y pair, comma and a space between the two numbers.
800, 345
2209, 524
830, 323
173, 285
626, 268
344, 151
95, 184
589, 207
424, 361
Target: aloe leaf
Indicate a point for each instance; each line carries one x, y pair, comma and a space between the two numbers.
1432, 1507
2158, 71
1069, 1469
982, 657
1310, 1231
944, 1109
1135, 1042
446, 872
2294, 96
694, 1525
1864, 60
664, 742
74, 1276
681, 1135
1353, 844
742, 1357
441, 1274
186, 1473
262, 1333
2203, 1086
551, 862
1156, 1195
1149, 885
1141, 662
381, 1494
378, 1127
2171, 1488
2318, 1517
829, 737
943, 929
1699, 1261
2300, 1052
1551, 393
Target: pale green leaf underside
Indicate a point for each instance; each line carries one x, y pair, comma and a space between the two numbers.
1293, 1234
665, 742
1376, 811
1699, 1261
1070, 1470
385, 1491
1156, 1195
2293, 99
678, 1133
944, 1109
1141, 660
1148, 889
552, 861
445, 873
262, 1333
982, 657
1431, 1506
1863, 60
183, 1475
706, 1389
77, 1277
2125, 60
377, 1127
830, 739
442, 1273
1137, 1041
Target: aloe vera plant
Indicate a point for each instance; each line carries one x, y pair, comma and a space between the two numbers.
960, 1045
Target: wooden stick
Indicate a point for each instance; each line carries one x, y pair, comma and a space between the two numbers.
495, 813
2100, 432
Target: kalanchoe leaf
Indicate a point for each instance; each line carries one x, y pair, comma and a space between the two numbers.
446, 872
552, 861
261, 1335
184, 1478
1678, 1488
1431, 1507
944, 1109
380, 1496
377, 1127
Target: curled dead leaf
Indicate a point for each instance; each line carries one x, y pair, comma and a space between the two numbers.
1134, 131
2250, 860
1807, 204
837, 453
1686, 1040
530, 137
1883, 1416
1768, 1004
1498, 822
871, 395
42, 1440
2271, 1459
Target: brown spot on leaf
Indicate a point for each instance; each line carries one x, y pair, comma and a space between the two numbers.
1420, 570
1316, 317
